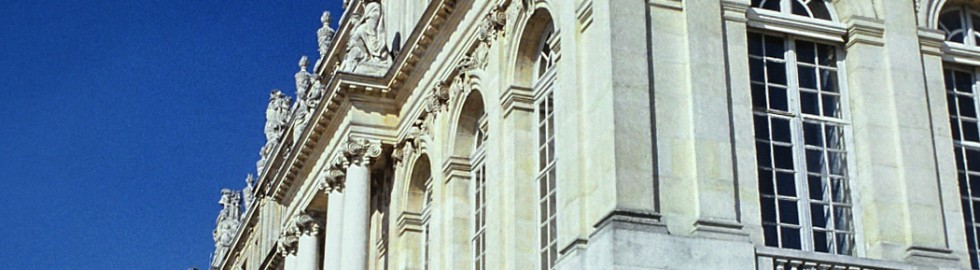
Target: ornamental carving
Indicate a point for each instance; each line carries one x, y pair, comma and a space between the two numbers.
227, 223
309, 93
361, 152
306, 224
276, 119
288, 241
367, 48
248, 193
325, 34
331, 178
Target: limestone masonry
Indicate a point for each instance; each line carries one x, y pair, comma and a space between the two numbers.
621, 134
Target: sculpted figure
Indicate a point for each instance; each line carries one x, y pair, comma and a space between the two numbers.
367, 50
325, 34
247, 193
276, 117
227, 223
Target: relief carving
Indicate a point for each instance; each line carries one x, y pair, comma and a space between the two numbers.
226, 224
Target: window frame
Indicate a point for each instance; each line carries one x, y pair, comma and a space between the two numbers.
790, 39
544, 80
478, 193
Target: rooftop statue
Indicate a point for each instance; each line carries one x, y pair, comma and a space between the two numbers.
276, 117
247, 192
367, 48
226, 225
325, 34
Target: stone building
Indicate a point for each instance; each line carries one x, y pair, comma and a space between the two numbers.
622, 134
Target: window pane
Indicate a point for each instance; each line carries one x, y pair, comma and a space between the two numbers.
765, 183
821, 243
809, 103
828, 80
778, 100
808, 77
819, 214
776, 72
827, 55
812, 134
762, 154
781, 130
831, 106
791, 237
774, 46
819, 9
788, 212
761, 127
786, 184
816, 188
967, 108
806, 52
783, 157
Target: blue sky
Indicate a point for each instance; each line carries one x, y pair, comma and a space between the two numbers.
122, 120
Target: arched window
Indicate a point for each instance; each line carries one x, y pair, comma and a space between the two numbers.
479, 240
544, 84
961, 25
800, 121
817, 9
426, 225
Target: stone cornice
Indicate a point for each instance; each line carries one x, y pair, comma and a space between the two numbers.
796, 25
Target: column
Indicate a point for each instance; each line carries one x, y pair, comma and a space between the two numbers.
308, 229
287, 248
357, 193
332, 185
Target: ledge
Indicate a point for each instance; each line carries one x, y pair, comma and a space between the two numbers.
796, 25
772, 258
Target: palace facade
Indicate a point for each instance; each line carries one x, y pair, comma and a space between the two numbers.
622, 134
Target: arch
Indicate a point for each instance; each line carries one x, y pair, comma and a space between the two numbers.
529, 43
929, 11
415, 192
816, 9
466, 125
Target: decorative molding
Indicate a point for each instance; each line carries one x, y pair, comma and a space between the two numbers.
288, 241
961, 54
360, 151
517, 97
409, 222
720, 229
932, 41
796, 25
677, 5
307, 224
456, 167
735, 10
332, 175
865, 30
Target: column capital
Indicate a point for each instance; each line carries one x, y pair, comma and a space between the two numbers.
288, 240
306, 224
360, 151
332, 175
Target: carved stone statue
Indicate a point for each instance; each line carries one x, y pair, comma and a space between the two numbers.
325, 34
276, 117
307, 95
247, 193
226, 224
367, 48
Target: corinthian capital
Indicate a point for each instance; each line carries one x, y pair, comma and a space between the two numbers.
361, 151
307, 224
288, 241
332, 176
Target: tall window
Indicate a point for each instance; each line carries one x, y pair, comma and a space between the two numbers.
426, 215
479, 241
799, 129
547, 195
817, 9
960, 25
961, 97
